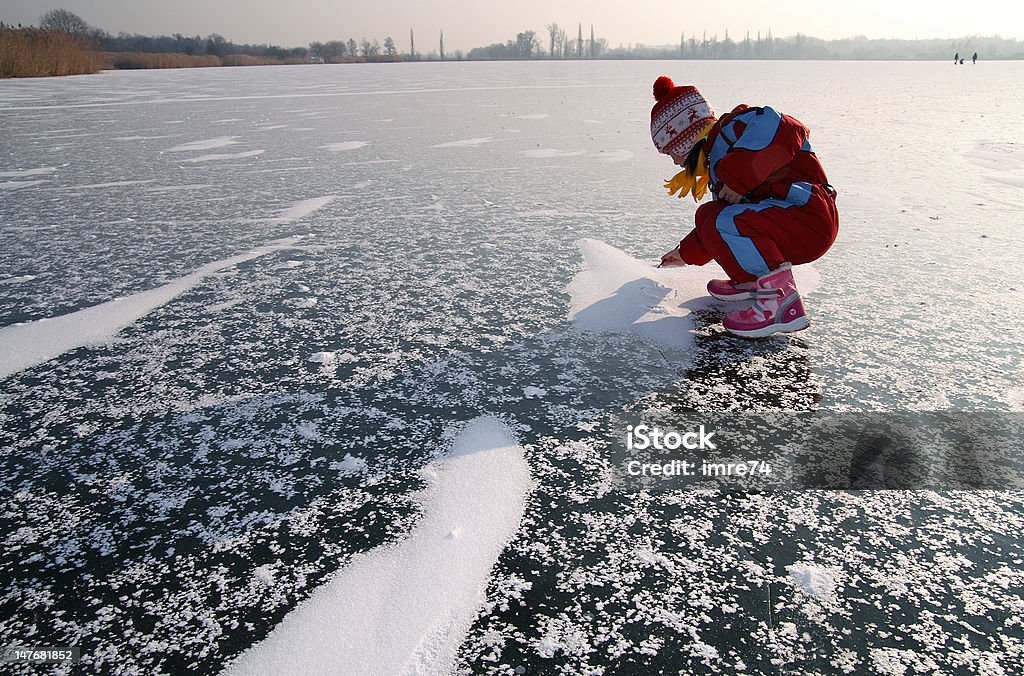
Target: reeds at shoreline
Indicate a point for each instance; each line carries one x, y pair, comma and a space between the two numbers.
32, 52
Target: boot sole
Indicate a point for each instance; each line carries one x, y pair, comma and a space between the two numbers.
798, 324
734, 297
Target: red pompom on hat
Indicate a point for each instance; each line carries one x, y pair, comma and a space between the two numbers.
678, 117
662, 86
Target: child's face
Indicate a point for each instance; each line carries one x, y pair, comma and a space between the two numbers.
679, 160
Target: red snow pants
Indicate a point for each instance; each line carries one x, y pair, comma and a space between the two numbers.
751, 240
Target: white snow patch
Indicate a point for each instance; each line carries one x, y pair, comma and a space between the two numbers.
25, 345
815, 581
1015, 398
225, 156
176, 188
27, 172
302, 303
137, 137
544, 153
616, 292
108, 184
405, 608
304, 208
264, 575
325, 358
464, 142
344, 145
350, 464
615, 155
14, 185
208, 144
17, 280
532, 392
533, 116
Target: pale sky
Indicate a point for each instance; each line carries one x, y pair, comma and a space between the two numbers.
474, 23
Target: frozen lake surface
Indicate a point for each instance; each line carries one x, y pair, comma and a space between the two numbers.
248, 316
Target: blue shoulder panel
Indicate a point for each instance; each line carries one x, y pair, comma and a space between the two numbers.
762, 125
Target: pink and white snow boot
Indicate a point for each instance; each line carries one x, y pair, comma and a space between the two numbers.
777, 307
728, 290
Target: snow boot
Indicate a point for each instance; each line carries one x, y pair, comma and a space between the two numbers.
777, 308
728, 290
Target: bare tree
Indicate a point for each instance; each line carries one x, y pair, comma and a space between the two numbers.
590, 45
389, 46
442, 44
64, 21
579, 43
353, 49
412, 46
552, 29
526, 44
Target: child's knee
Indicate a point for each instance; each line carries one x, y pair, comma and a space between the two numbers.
706, 217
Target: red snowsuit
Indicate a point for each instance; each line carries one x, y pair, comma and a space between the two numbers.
788, 213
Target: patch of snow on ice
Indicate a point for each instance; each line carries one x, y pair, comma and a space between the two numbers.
464, 142
264, 575
544, 153
616, 292
405, 608
225, 156
27, 172
615, 155
532, 392
303, 208
17, 280
344, 145
108, 184
14, 185
301, 303
25, 345
813, 580
1015, 398
350, 464
208, 144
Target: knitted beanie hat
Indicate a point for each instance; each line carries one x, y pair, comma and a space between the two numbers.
678, 117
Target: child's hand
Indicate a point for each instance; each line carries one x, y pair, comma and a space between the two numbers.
729, 195
672, 259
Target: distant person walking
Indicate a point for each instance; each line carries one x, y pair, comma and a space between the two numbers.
956, 58
974, 59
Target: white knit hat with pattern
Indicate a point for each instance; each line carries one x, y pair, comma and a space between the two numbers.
678, 117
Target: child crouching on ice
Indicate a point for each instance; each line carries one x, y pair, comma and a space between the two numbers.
773, 206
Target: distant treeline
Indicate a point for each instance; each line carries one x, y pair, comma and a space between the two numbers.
65, 44
527, 45
802, 46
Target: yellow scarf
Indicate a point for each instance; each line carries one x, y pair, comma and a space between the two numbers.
697, 183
